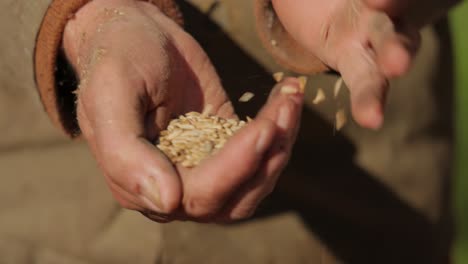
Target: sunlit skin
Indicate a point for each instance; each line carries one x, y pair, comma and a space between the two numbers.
368, 41
138, 69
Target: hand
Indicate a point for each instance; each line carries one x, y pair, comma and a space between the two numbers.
138, 69
367, 41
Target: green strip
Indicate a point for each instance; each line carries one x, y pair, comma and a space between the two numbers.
459, 23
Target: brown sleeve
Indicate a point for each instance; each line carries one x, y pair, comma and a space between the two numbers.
51, 76
284, 49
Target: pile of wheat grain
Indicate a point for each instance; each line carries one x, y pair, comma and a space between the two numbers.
193, 137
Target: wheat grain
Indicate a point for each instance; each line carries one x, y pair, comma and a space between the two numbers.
278, 76
320, 97
337, 88
341, 119
302, 83
193, 137
246, 97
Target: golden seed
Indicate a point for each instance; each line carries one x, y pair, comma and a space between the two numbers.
302, 83
174, 134
337, 88
193, 137
185, 126
278, 76
341, 120
320, 97
246, 97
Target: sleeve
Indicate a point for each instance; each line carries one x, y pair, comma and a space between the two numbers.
55, 79
284, 49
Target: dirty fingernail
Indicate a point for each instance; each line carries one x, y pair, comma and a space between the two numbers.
151, 192
283, 119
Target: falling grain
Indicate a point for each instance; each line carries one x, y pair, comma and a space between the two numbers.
340, 119
302, 83
338, 85
320, 97
246, 97
278, 76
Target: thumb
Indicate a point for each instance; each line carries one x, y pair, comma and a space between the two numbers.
115, 109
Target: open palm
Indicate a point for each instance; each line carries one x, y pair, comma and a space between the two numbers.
140, 71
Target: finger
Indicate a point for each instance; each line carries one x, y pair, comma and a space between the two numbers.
367, 85
125, 199
115, 106
285, 110
394, 50
210, 184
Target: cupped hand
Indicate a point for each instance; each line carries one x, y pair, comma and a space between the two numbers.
368, 42
138, 70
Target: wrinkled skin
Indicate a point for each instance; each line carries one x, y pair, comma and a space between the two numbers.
138, 69
367, 41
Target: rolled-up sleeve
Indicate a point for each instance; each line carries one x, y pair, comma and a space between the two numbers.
284, 49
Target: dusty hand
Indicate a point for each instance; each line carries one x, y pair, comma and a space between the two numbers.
138, 69
367, 41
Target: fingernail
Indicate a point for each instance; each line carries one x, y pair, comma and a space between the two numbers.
283, 119
151, 192
262, 142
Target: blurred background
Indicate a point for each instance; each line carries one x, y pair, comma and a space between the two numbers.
459, 22
355, 212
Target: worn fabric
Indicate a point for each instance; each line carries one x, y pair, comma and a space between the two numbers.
350, 197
